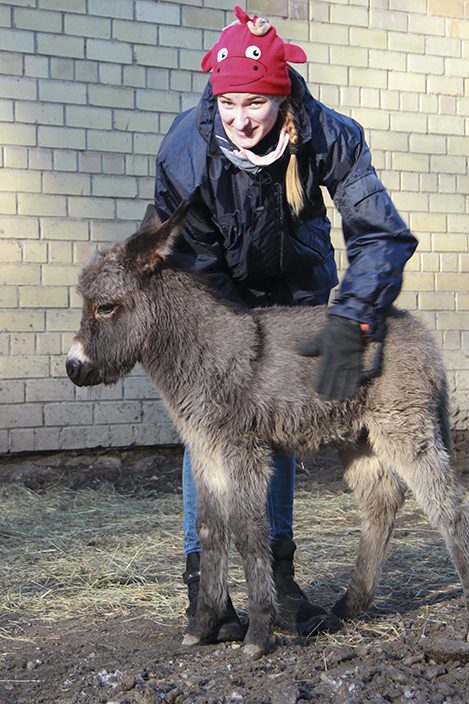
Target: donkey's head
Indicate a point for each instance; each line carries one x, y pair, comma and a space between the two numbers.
116, 312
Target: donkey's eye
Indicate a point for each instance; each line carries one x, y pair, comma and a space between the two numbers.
105, 309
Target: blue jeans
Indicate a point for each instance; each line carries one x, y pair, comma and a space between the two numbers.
279, 500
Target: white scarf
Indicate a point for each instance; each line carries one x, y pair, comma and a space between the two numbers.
244, 158
267, 158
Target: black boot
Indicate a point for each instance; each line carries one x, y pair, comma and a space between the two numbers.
295, 613
229, 627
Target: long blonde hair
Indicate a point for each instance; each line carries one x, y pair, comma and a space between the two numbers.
294, 187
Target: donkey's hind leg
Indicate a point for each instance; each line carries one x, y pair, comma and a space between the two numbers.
379, 494
212, 517
441, 496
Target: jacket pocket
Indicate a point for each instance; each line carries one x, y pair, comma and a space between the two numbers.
363, 187
310, 244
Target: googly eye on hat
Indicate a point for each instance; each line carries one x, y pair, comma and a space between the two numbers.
250, 57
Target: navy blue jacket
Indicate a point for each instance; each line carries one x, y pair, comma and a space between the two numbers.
241, 232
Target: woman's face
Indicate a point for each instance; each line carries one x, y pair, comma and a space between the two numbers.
248, 117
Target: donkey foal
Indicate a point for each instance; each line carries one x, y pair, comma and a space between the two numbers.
236, 387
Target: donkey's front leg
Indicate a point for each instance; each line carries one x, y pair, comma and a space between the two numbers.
212, 517
248, 520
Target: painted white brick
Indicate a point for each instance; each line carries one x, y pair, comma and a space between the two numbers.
65, 160
159, 13
15, 158
61, 68
5, 16
157, 56
68, 137
86, 71
6, 110
91, 207
123, 412
111, 97
133, 209
72, 5
26, 415
41, 390
19, 88
8, 297
111, 230
57, 45
11, 64
11, 39
110, 73
37, 20
12, 391
24, 228
68, 414
56, 91
101, 50
157, 100
85, 116
133, 121
77, 184
16, 133
111, 8
135, 32
39, 113
87, 26
114, 187
103, 141
16, 180
36, 66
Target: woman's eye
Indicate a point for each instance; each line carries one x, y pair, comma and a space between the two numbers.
222, 54
253, 52
105, 309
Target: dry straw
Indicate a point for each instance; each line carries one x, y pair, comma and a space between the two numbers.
79, 553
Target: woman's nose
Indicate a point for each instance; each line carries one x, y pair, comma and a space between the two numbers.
241, 119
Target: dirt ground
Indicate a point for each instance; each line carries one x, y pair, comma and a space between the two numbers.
131, 658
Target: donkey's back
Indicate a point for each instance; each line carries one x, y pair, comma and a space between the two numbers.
404, 379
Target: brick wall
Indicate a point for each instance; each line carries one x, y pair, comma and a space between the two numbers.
86, 95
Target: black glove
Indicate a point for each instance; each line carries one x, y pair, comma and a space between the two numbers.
340, 345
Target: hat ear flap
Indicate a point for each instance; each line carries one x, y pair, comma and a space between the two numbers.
206, 62
294, 53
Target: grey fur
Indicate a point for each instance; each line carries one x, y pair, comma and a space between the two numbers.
235, 387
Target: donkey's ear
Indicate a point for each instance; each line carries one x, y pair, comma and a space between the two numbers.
151, 218
154, 240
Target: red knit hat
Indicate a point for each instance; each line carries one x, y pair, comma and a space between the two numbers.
250, 57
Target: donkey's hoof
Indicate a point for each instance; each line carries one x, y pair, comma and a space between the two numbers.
251, 650
190, 640
347, 609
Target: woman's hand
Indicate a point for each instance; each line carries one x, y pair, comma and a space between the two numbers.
340, 345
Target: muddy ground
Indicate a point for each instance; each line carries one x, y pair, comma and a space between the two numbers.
132, 659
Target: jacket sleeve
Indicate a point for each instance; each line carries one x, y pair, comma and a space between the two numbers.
198, 248
377, 239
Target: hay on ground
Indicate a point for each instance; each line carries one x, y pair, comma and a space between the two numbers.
70, 553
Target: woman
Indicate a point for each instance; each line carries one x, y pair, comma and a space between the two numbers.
251, 157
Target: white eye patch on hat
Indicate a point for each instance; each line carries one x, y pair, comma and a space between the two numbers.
252, 52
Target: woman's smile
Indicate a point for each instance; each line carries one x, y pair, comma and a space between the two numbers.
247, 118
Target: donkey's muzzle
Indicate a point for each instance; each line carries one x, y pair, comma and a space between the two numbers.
82, 373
